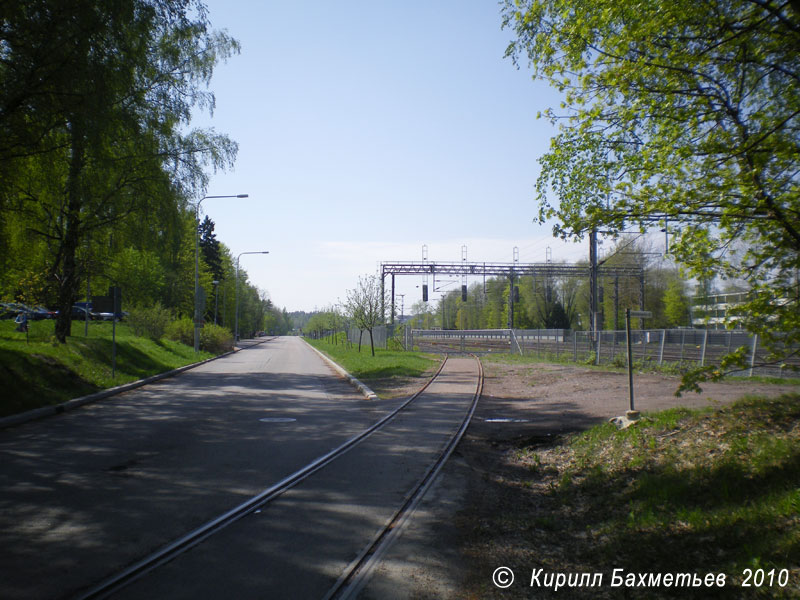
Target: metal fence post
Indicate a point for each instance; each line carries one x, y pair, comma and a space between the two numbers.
599, 341
703, 351
645, 340
629, 351
753, 353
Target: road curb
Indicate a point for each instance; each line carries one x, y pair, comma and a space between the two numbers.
48, 411
367, 393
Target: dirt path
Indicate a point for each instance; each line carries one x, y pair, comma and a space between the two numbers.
450, 549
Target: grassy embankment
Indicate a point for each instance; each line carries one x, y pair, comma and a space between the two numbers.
384, 372
42, 372
715, 490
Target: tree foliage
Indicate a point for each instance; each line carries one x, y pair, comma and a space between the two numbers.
676, 304
209, 246
99, 163
100, 134
682, 114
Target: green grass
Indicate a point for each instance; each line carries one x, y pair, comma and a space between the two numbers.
545, 358
710, 490
385, 364
40, 372
771, 380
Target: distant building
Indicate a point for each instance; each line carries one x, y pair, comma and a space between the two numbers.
710, 311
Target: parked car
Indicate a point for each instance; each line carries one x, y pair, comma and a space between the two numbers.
39, 312
6, 311
10, 310
79, 313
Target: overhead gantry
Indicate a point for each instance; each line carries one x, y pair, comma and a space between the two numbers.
511, 271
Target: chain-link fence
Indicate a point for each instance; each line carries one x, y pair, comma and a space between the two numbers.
657, 346
381, 336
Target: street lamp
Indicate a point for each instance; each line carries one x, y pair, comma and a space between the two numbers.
236, 291
197, 315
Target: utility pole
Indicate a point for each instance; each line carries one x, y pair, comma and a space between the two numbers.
593, 292
392, 320
511, 301
511, 278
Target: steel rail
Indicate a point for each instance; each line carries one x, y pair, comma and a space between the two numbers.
149, 563
356, 575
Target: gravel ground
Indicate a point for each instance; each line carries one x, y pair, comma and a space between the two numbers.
452, 545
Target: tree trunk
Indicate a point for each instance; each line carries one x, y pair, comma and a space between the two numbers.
371, 342
68, 277
360, 333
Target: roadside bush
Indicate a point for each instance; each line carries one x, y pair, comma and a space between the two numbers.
215, 339
181, 331
150, 322
394, 344
620, 361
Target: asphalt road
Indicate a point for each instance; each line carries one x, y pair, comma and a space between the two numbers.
298, 545
88, 492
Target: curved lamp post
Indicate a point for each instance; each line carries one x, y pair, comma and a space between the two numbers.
197, 315
236, 291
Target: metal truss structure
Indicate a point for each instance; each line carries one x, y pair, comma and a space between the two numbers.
511, 271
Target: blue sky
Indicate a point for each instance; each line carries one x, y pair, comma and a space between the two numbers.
367, 129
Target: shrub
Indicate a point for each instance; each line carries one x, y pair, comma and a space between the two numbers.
181, 331
394, 344
215, 339
151, 322
620, 361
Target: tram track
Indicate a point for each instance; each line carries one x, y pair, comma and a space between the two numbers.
355, 577
356, 571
